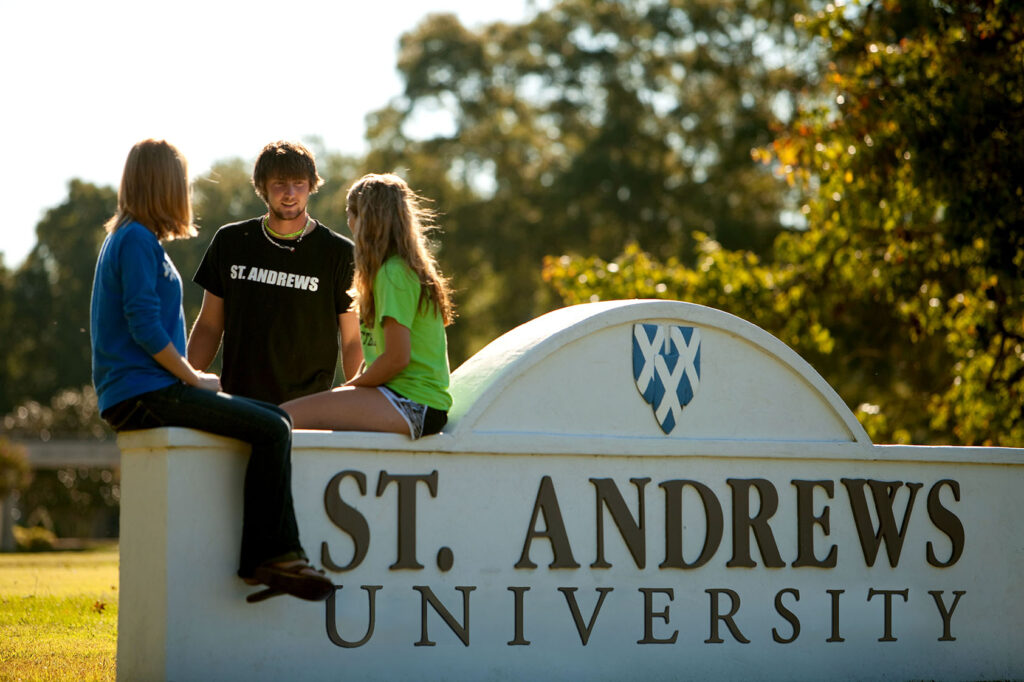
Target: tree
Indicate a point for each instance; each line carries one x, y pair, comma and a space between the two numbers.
7, 325
48, 348
15, 474
906, 282
74, 501
590, 125
72, 414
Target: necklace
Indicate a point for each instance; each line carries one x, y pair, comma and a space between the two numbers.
299, 233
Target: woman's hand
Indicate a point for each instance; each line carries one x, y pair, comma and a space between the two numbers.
394, 358
207, 381
171, 360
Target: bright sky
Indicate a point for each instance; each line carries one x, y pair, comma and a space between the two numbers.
84, 81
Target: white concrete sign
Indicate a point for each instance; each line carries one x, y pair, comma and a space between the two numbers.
626, 490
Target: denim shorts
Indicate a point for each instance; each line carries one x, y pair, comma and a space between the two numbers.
422, 420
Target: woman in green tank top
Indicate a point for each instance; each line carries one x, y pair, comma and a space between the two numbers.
404, 305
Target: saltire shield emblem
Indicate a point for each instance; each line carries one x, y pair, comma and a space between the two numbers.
666, 368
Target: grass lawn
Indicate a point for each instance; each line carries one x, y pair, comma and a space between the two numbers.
58, 615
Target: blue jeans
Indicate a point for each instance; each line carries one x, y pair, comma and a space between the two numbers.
269, 530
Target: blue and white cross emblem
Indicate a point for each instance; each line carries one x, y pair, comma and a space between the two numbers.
666, 367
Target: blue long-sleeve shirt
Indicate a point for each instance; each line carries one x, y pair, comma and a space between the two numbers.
135, 312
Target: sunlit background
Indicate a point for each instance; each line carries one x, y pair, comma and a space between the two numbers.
84, 81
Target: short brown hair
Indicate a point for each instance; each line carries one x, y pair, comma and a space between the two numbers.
286, 160
154, 191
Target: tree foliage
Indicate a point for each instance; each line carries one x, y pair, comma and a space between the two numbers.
72, 413
592, 124
15, 472
905, 288
7, 326
47, 345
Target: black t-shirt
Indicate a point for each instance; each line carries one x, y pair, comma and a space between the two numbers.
282, 299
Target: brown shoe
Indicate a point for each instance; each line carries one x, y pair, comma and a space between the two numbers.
298, 579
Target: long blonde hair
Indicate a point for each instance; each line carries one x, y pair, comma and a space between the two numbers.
393, 222
154, 191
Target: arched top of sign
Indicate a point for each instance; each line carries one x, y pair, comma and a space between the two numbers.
651, 376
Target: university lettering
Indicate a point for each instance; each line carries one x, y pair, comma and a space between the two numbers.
718, 621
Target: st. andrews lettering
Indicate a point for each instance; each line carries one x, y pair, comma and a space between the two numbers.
632, 528
275, 277
867, 498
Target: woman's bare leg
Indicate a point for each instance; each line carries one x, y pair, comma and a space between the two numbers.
346, 408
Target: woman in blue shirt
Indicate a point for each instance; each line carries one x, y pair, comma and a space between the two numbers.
144, 380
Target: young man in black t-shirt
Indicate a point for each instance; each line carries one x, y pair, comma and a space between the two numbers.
277, 290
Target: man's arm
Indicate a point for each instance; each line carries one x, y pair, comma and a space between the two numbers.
206, 334
351, 345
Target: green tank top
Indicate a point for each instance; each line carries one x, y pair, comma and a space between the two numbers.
396, 294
